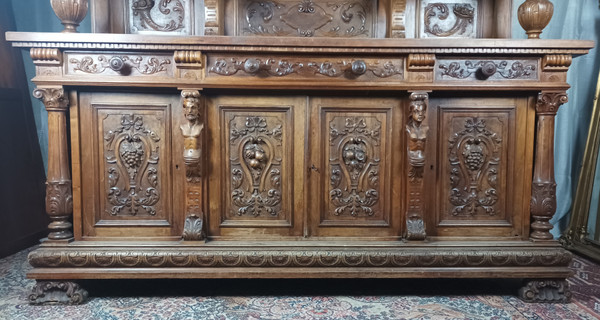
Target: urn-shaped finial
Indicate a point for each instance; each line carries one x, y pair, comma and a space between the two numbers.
70, 12
534, 16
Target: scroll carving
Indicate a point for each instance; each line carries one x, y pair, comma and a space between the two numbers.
59, 194
417, 131
354, 165
475, 156
438, 24
132, 155
254, 66
170, 18
500, 70
143, 65
52, 292
308, 18
256, 164
192, 132
548, 103
547, 290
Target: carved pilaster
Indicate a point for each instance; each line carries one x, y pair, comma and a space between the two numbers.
57, 292
416, 130
192, 131
550, 291
59, 196
398, 19
543, 189
213, 17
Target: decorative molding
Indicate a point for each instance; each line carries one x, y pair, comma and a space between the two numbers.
213, 24
416, 131
54, 98
398, 19
121, 64
192, 57
549, 102
420, 62
57, 292
308, 18
437, 24
192, 132
298, 257
557, 62
487, 69
46, 56
546, 290
354, 164
475, 159
131, 150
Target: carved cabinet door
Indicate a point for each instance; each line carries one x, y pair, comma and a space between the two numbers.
255, 176
355, 153
484, 166
126, 172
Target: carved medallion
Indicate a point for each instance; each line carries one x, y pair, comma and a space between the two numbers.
132, 155
449, 19
474, 155
256, 164
354, 165
308, 18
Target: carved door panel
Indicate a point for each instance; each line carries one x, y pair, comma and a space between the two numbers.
128, 173
354, 154
255, 172
483, 167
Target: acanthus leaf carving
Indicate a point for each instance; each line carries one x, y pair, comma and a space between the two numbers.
256, 165
474, 156
143, 10
131, 149
464, 14
144, 65
52, 292
466, 69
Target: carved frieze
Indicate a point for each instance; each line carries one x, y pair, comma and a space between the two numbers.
307, 18
131, 153
281, 67
284, 258
159, 16
256, 160
449, 18
486, 69
475, 156
354, 165
127, 65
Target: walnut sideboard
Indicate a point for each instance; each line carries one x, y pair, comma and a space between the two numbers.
233, 157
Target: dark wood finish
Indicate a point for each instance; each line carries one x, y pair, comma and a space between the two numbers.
292, 157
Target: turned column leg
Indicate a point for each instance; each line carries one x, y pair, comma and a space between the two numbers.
192, 130
416, 131
57, 292
59, 196
543, 188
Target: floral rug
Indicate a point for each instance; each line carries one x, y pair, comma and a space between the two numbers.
299, 299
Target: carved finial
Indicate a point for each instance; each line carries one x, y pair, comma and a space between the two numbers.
534, 16
70, 13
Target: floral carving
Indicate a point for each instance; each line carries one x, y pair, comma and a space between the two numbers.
255, 66
474, 155
467, 69
174, 15
463, 13
132, 150
256, 166
354, 166
144, 65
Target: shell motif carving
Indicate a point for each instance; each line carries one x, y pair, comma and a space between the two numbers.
132, 155
354, 166
474, 155
256, 161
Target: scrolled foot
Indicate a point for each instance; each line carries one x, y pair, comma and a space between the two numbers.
547, 290
57, 292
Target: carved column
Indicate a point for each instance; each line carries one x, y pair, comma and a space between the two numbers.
416, 130
59, 196
192, 131
543, 188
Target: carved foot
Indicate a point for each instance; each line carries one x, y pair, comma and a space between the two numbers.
415, 229
57, 292
193, 229
547, 290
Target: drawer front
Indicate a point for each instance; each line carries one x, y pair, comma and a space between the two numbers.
127, 155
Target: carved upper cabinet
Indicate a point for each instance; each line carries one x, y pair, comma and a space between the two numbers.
307, 18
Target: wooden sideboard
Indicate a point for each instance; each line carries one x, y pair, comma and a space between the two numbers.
236, 157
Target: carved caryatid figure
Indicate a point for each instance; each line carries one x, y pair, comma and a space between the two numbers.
192, 132
417, 133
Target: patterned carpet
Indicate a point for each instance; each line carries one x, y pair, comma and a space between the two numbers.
299, 299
